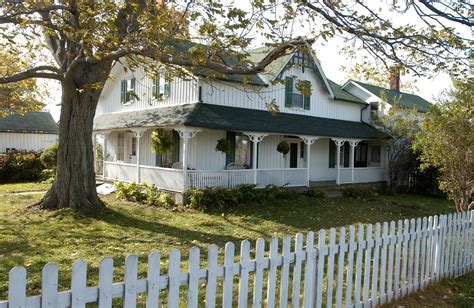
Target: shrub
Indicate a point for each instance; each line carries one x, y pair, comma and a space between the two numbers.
48, 175
20, 167
217, 198
144, 194
384, 189
49, 157
359, 192
316, 192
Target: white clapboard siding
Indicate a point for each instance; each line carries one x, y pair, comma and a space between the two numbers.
376, 266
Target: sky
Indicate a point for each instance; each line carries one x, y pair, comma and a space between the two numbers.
328, 54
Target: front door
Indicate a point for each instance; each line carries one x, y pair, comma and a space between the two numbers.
293, 155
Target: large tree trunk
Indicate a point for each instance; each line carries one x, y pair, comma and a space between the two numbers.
75, 185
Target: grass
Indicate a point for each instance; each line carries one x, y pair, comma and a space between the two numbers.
457, 292
23, 187
31, 237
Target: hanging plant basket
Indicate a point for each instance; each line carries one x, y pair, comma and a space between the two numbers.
283, 147
161, 142
223, 145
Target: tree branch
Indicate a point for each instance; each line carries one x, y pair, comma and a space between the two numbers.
47, 72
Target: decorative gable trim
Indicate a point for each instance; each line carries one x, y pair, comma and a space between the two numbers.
317, 67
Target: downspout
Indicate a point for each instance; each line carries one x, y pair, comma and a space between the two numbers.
366, 106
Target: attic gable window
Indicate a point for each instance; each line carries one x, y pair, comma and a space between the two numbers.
294, 96
127, 91
160, 87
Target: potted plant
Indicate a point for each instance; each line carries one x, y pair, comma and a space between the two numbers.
223, 145
161, 142
283, 147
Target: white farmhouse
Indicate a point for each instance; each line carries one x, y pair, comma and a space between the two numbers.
328, 139
33, 131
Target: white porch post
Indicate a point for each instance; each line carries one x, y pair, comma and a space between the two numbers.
308, 141
255, 138
339, 143
186, 133
104, 135
138, 133
353, 144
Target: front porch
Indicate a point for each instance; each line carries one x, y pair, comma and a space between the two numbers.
128, 157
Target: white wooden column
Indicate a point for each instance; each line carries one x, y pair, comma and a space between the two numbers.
339, 143
308, 141
186, 133
104, 135
138, 133
255, 138
353, 144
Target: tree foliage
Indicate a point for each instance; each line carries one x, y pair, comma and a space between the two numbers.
20, 96
446, 141
401, 125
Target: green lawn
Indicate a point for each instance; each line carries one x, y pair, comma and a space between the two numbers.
31, 237
457, 292
23, 187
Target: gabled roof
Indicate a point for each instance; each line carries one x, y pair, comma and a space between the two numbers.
397, 98
237, 119
274, 69
30, 122
343, 95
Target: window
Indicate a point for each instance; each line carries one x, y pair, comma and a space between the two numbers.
344, 161
134, 146
242, 149
160, 86
375, 155
120, 147
302, 149
128, 91
294, 97
10, 150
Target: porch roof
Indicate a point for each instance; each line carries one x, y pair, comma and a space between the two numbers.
237, 119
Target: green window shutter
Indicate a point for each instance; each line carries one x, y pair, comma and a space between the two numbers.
133, 88
346, 155
176, 140
167, 87
307, 99
123, 88
155, 86
158, 160
332, 154
288, 92
230, 158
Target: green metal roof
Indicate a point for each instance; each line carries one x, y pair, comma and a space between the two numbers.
30, 122
343, 95
397, 98
237, 119
182, 47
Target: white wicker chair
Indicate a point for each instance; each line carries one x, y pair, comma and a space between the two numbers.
234, 166
177, 165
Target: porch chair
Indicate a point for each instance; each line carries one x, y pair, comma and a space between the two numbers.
177, 165
234, 166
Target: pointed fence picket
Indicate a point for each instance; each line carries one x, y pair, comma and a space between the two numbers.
378, 264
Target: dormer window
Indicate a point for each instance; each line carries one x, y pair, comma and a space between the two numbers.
374, 108
160, 86
294, 94
127, 91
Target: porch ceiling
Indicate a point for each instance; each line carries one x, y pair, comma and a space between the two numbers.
237, 119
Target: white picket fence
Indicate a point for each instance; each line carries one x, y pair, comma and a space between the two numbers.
370, 266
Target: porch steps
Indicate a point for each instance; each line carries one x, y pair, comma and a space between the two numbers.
332, 190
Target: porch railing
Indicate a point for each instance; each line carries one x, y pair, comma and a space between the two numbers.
282, 177
166, 178
219, 178
120, 171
